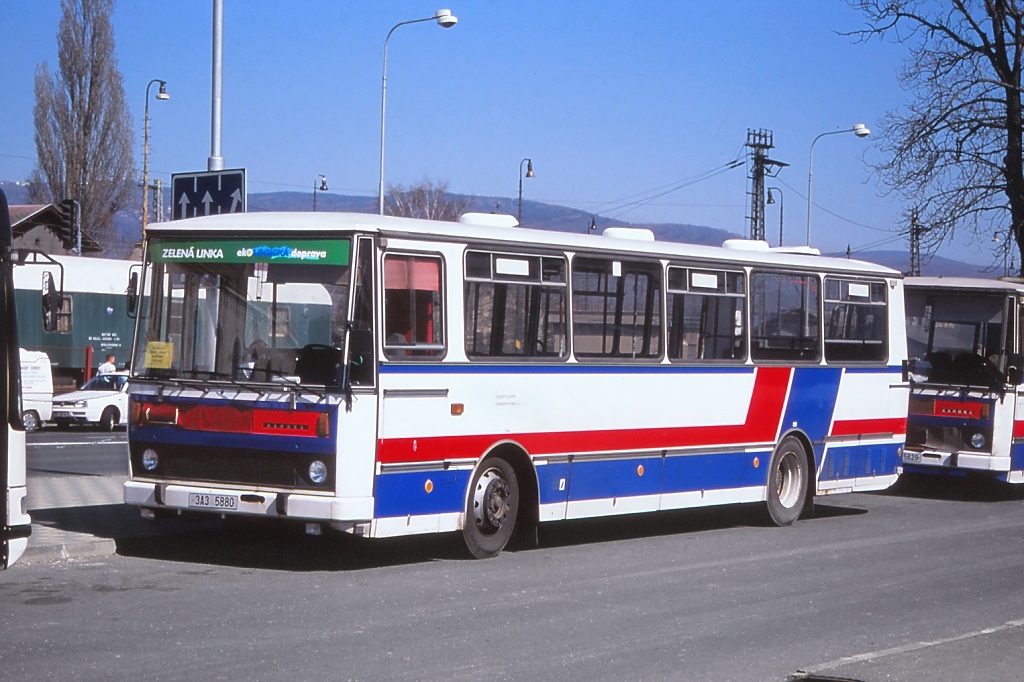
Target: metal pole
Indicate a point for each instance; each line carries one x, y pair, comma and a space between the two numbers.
145, 164
216, 161
161, 94
529, 174
860, 130
384, 90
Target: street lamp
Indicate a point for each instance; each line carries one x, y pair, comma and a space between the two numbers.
771, 200
161, 94
444, 19
322, 187
529, 174
860, 130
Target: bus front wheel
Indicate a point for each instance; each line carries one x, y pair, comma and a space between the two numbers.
491, 508
788, 477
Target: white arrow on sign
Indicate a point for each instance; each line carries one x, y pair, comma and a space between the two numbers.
207, 200
183, 202
236, 199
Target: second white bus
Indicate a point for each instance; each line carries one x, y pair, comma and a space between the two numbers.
966, 404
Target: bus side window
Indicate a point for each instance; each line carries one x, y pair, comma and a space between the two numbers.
413, 307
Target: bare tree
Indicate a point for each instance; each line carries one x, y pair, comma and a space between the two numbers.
84, 136
955, 150
427, 200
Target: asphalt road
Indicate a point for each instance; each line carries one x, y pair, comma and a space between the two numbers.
923, 584
78, 450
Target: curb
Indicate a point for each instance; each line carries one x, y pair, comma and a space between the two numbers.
86, 548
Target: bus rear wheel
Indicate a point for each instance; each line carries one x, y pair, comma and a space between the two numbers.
788, 477
491, 508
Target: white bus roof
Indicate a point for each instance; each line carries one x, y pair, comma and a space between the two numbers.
1007, 286
250, 224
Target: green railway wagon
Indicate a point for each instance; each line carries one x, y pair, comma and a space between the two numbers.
94, 314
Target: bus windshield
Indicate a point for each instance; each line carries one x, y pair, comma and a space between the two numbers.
956, 339
240, 309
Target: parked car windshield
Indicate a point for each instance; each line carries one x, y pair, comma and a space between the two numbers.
105, 382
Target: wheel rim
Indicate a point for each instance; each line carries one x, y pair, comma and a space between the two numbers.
787, 480
490, 502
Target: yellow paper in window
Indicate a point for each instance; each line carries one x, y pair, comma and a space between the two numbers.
159, 354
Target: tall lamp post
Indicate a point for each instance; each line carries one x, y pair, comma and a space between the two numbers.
860, 130
529, 174
444, 19
771, 200
161, 94
319, 183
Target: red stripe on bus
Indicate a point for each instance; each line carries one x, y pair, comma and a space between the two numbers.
764, 413
1018, 429
853, 427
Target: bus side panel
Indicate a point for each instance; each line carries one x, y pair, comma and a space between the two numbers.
862, 449
669, 437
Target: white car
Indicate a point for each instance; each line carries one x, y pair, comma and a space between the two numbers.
103, 400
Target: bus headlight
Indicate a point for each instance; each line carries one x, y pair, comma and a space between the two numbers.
150, 459
977, 441
317, 472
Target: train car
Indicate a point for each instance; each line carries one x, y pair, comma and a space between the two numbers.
94, 314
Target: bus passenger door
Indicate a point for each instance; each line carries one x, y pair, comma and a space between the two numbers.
357, 418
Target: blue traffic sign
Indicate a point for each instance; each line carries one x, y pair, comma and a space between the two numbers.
207, 193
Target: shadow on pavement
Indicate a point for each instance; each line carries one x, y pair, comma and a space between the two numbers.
956, 488
114, 521
280, 545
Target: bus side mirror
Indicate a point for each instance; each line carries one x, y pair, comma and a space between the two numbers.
52, 300
1015, 369
132, 293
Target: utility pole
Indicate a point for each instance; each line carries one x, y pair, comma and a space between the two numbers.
916, 230
759, 142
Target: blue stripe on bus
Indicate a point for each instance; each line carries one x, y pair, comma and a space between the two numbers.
575, 368
406, 493
894, 369
145, 435
812, 402
565, 368
859, 461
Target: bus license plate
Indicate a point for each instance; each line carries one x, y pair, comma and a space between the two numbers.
911, 457
207, 501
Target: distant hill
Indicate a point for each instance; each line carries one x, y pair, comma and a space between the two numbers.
17, 192
936, 266
536, 214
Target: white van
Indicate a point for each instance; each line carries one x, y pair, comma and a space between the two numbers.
36, 389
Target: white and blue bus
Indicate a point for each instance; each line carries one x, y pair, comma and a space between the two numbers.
17, 525
964, 339
480, 378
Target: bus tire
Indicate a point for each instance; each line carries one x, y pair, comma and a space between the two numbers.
30, 420
492, 507
787, 482
108, 419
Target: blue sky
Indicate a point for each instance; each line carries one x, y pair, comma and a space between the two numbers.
610, 100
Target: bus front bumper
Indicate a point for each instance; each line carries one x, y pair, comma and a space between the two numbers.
956, 460
204, 499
